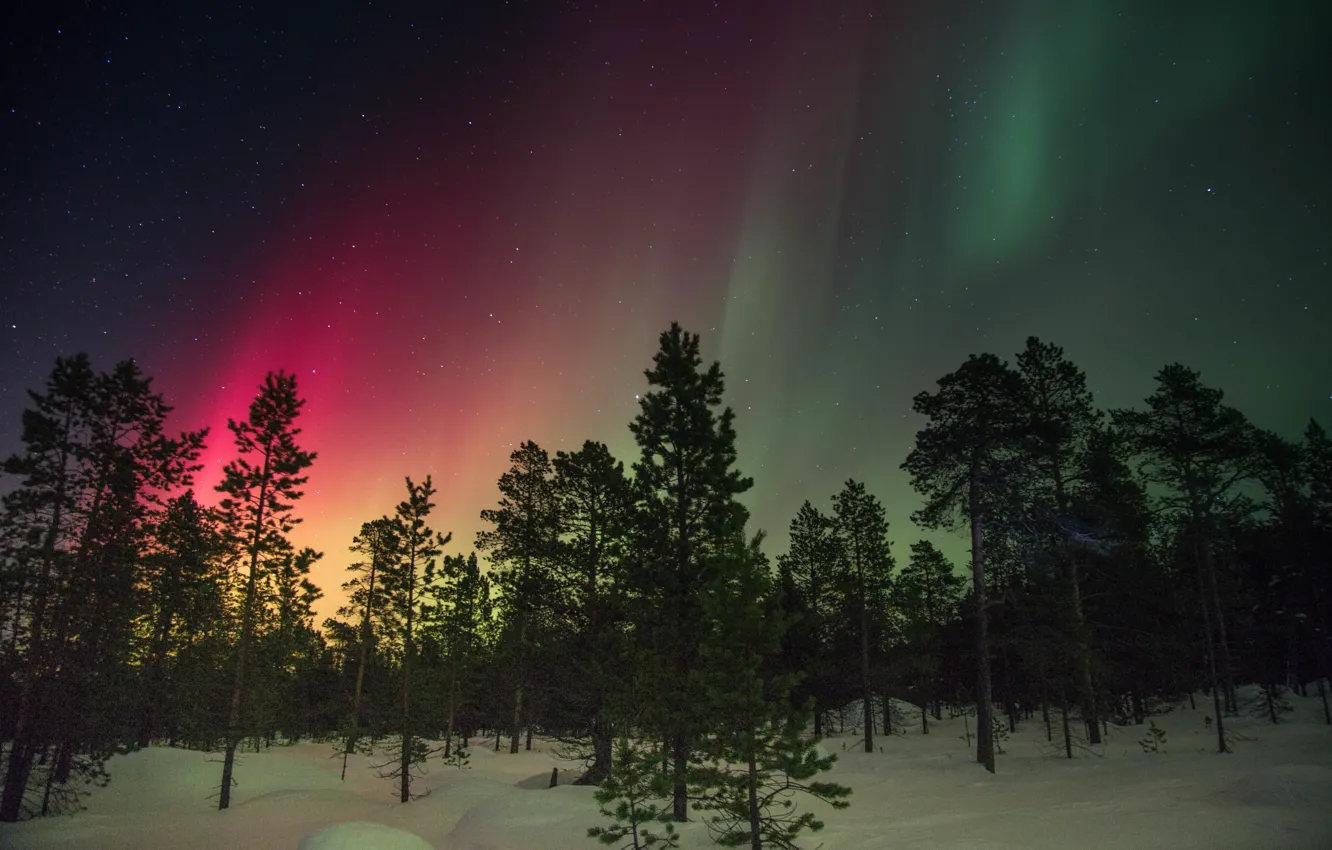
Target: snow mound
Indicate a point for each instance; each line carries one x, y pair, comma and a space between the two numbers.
359, 835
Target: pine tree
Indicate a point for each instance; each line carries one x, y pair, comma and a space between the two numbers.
811, 565
1061, 419
634, 784
183, 583
259, 488
1197, 450
366, 600
594, 499
409, 581
95, 464
464, 609
522, 544
290, 649
963, 464
927, 593
758, 760
862, 532
686, 514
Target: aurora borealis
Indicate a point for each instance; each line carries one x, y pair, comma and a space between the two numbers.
463, 225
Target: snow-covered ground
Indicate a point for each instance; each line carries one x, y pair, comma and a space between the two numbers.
1274, 791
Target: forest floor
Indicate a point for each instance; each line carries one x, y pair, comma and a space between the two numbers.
917, 791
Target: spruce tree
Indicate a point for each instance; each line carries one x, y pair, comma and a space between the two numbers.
259, 490
963, 463
686, 514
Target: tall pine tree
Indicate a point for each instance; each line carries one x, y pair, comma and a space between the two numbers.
963, 463
259, 490
368, 603
593, 501
1197, 450
1061, 419
409, 581
686, 515
862, 533
927, 592
811, 568
521, 544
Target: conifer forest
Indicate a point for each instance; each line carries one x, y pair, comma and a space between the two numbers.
574, 424
1119, 561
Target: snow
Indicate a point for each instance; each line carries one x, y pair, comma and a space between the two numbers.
920, 791
358, 836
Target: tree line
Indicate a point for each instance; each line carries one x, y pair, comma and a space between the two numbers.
1119, 561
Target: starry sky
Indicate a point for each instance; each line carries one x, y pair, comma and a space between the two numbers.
464, 225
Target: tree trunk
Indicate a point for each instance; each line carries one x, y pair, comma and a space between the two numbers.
679, 792
367, 636
984, 725
864, 656
517, 725
1322, 695
1045, 716
55, 776
518, 684
1223, 643
603, 739
924, 705
755, 840
247, 635
405, 765
453, 702
1221, 746
1068, 734
238, 683
1086, 689
1010, 701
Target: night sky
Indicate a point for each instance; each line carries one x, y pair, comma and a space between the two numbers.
465, 227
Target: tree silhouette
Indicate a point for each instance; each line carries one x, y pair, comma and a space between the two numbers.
963, 464
259, 487
685, 484
1197, 450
